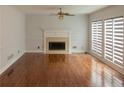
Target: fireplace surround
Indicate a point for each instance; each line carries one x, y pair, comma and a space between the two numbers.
56, 42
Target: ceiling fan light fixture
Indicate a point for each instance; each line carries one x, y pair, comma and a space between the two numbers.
61, 17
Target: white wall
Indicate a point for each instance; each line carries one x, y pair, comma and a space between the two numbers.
109, 12
12, 32
76, 25
0, 39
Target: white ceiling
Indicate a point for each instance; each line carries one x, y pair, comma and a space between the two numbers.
48, 9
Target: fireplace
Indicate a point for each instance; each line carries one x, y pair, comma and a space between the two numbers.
56, 45
56, 42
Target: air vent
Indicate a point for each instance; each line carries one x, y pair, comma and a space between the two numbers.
10, 72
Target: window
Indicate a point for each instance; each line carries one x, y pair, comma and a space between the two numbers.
97, 37
114, 40
108, 43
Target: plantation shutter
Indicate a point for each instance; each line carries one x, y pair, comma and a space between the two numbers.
94, 36
97, 37
114, 40
118, 41
109, 39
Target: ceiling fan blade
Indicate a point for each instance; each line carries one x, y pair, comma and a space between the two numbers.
53, 14
61, 14
67, 14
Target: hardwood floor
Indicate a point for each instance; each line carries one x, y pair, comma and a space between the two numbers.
75, 70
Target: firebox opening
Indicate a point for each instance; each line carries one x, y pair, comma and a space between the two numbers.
56, 45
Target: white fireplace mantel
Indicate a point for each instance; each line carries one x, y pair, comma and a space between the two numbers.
57, 36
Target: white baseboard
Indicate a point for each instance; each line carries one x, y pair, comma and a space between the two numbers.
34, 51
77, 52
9, 64
37, 51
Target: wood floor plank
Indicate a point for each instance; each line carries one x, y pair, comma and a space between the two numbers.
60, 70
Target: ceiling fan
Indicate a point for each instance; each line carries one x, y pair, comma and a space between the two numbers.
61, 14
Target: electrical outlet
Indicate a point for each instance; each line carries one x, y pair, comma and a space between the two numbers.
74, 47
18, 51
38, 47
